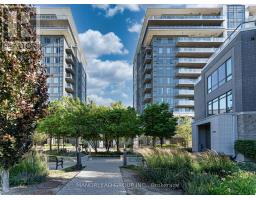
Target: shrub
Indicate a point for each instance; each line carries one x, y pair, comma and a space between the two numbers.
216, 164
240, 183
167, 167
200, 184
32, 169
247, 148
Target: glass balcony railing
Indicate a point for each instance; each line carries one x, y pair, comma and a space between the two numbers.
147, 96
194, 39
50, 17
70, 68
147, 68
186, 81
185, 102
147, 77
186, 17
186, 27
148, 86
188, 70
192, 60
196, 50
184, 92
69, 87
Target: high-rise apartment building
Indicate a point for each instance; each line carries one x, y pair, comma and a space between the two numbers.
62, 54
174, 45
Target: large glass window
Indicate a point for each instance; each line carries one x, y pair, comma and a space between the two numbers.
221, 104
214, 80
220, 76
215, 106
229, 69
229, 102
235, 15
209, 83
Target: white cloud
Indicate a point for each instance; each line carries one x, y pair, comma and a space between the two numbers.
96, 44
120, 8
100, 100
135, 28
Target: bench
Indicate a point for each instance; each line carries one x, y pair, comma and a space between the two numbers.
58, 161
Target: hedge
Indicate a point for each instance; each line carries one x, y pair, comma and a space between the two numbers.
246, 147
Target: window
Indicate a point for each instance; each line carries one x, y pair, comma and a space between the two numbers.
215, 106
168, 50
214, 80
47, 40
57, 60
209, 83
229, 69
47, 60
48, 50
221, 104
229, 101
160, 50
220, 76
57, 50
210, 108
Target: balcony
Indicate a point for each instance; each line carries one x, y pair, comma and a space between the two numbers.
69, 77
69, 87
188, 72
69, 59
180, 17
195, 52
148, 87
147, 78
186, 82
148, 49
147, 98
147, 68
199, 42
190, 20
147, 59
184, 93
70, 68
69, 51
193, 62
185, 103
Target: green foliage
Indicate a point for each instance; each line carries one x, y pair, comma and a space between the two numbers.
184, 129
23, 98
32, 169
158, 121
200, 184
217, 165
247, 148
39, 138
241, 183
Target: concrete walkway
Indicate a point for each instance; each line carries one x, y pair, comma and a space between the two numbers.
101, 177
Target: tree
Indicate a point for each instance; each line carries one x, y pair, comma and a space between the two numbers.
184, 129
23, 100
39, 138
158, 121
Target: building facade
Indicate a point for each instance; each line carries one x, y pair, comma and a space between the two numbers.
62, 55
225, 108
174, 46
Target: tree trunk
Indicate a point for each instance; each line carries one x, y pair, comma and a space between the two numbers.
5, 180
50, 143
117, 144
78, 156
161, 141
58, 144
154, 142
63, 143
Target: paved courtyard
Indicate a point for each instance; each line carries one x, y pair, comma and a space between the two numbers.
100, 177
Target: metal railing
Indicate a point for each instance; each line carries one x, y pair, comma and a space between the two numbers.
194, 39
186, 17
194, 50
192, 60
188, 70
185, 102
186, 27
185, 92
